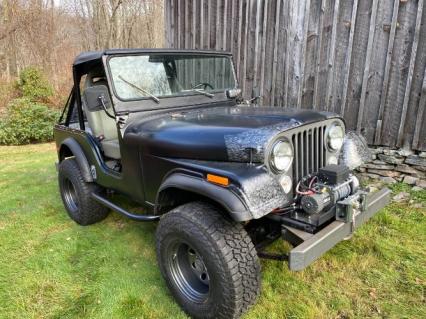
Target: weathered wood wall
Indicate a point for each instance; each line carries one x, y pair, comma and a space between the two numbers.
364, 59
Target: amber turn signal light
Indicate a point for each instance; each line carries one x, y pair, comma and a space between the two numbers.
224, 181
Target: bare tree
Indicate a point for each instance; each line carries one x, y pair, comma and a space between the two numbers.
36, 32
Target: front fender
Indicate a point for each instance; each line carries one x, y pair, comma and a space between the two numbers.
253, 191
224, 196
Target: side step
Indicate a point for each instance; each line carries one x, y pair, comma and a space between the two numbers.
122, 211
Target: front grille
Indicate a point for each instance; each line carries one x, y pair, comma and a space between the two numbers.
309, 151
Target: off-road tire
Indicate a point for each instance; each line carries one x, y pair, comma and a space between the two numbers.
76, 194
227, 252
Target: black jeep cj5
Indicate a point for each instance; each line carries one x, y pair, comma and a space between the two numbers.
169, 130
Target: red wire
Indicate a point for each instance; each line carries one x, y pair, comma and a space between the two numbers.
310, 192
311, 183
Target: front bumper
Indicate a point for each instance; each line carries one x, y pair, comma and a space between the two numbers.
312, 246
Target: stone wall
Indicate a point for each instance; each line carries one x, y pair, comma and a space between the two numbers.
391, 166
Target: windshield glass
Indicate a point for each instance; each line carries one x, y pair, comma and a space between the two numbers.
154, 76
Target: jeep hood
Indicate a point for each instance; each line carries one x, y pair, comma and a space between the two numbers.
216, 134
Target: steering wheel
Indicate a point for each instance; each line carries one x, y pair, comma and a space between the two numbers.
205, 85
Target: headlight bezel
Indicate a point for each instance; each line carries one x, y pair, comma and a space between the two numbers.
328, 145
271, 155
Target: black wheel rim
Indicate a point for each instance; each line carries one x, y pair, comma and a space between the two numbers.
70, 194
188, 271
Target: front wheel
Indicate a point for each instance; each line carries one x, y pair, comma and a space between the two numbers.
208, 261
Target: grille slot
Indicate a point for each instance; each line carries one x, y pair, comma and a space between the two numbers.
309, 151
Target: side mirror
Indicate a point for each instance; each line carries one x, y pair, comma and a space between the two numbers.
97, 98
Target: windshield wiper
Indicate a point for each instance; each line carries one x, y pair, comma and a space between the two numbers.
200, 91
152, 96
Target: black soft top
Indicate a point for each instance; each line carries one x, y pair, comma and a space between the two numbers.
96, 56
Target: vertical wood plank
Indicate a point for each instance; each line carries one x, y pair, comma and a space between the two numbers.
275, 56
367, 65
201, 44
348, 58
178, 29
399, 72
410, 73
224, 33
233, 19
288, 35
341, 49
389, 51
263, 53
269, 53
303, 53
225, 22
218, 25
420, 114
172, 26
291, 33
244, 73
187, 31
282, 53
251, 48
209, 23
167, 24
194, 23
255, 62
311, 55
318, 58
239, 37
332, 51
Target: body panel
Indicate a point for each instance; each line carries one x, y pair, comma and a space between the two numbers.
217, 134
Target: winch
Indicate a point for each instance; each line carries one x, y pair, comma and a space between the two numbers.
319, 193
334, 183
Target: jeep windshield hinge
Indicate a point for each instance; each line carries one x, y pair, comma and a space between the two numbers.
121, 119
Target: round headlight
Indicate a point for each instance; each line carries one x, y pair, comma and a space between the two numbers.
282, 155
335, 137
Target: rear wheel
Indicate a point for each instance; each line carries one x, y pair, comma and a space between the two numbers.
208, 261
76, 194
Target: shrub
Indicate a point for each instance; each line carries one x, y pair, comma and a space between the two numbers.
32, 84
27, 122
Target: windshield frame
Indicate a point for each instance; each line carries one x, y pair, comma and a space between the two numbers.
212, 54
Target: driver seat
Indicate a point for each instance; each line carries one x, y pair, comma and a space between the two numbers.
102, 126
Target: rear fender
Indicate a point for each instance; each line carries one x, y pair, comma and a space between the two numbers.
79, 155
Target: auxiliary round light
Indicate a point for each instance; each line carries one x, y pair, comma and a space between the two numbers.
332, 160
286, 183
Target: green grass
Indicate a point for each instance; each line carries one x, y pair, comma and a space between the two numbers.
52, 268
